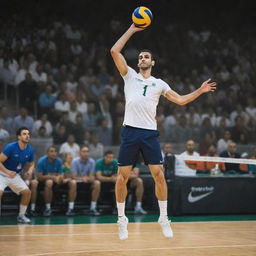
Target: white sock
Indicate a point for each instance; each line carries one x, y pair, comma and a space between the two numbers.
93, 205
163, 208
32, 207
138, 205
23, 209
48, 206
71, 205
120, 209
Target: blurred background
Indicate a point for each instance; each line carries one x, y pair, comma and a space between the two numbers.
58, 78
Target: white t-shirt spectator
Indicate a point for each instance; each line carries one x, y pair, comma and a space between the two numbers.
181, 168
38, 124
67, 148
62, 106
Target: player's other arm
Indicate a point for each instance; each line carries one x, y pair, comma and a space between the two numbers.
115, 51
206, 86
10, 173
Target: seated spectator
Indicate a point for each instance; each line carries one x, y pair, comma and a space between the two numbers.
70, 146
27, 91
106, 170
136, 183
79, 129
181, 132
42, 122
39, 75
223, 142
23, 119
31, 181
187, 168
83, 171
96, 148
67, 161
104, 133
72, 112
4, 135
206, 167
61, 105
65, 121
47, 101
49, 172
240, 132
81, 103
60, 135
231, 152
6, 120
91, 117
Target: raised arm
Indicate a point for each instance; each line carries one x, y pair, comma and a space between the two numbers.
206, 86
115, 51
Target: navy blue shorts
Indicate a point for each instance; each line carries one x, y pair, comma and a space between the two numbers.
136, 140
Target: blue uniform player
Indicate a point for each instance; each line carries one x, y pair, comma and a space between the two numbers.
142, 92
16, 157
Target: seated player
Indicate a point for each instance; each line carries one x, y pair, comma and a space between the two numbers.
82, 169
49, 172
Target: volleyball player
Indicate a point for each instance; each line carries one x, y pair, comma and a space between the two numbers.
142, 92
16, 157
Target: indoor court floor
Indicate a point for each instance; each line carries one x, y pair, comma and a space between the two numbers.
193, 236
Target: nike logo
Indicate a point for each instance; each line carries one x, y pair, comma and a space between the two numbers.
193, 199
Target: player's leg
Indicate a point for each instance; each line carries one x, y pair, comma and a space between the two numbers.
121, 193
152, 155
95, 190
137, 184
128, 154
18, 185
72, 192
48, 197
33, 188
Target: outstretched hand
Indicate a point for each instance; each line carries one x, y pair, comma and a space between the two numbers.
208, 86
135, 29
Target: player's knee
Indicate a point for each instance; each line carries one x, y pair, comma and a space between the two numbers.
48, 184
1, 193
34, 183
26, 192
96, 184
72, 184
158, 175
139, 182
123, 177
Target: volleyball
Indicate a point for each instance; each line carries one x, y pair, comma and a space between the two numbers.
142, 17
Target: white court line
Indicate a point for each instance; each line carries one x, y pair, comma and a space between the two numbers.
114, 223
147, 249
114, 233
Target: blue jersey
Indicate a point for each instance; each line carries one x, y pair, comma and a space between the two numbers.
81, 168
46, 167
16, 157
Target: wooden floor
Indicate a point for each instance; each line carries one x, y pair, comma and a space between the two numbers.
145, 239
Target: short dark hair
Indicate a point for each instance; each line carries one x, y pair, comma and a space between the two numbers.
52, 146
147, 50
84, 146
108, 152
18, 132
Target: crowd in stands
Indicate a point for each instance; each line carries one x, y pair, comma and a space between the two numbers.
70, 91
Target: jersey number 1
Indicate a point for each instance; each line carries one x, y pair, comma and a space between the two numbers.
145, 89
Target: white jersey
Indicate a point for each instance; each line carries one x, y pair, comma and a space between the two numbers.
142, 96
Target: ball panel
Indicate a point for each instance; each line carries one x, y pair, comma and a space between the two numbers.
142, 17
